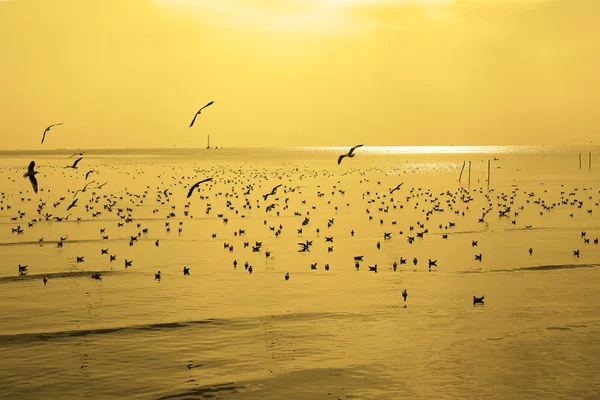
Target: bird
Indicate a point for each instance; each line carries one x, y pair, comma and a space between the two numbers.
84, 188
31, 175
195, 185
76, 154
349, 154
88, 173
396, 188
271, 193
199, 111
47, 129
74, 166
73, 204
287, 276
478, 299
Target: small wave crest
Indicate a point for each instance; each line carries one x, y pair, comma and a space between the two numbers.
54, 275
532, 268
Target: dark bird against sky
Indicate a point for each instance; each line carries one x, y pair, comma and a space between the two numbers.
198, 113
47, 129
350, 153
196, 185
31, 175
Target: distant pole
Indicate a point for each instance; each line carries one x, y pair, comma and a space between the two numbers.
469, 173
461, 171
579, 160
590, 160
488, 174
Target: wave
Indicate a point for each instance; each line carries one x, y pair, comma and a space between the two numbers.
532, 268
47, 336
54, 275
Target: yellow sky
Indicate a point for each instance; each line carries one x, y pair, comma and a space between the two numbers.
132, 73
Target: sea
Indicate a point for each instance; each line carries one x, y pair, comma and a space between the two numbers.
518, 225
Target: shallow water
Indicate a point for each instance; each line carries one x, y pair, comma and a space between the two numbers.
342, 333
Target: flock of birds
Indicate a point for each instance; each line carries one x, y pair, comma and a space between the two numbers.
419, 230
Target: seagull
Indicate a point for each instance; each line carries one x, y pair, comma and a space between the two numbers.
31, 175
84, 188
73, 204
396, 188
76, 154
271, 193
350, 153
74, 166
478, 299
197, 184
199, 111
100, 186
88, 173
47, 129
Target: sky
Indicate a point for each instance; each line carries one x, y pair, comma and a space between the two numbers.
132, 73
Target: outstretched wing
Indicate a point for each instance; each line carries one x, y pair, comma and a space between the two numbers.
354, 148
340, 158
88, 174
31, 167
196, 185
205, 106
77, 162
34, 182
194, 120
72, 204
44, 135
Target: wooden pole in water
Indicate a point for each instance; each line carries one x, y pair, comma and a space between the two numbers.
488, 174
579, 160
469, 173
590, 160
461, 171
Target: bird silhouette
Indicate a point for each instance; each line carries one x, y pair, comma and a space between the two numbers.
74, 166
31, 175
396, 188
198, 113
350, 154
196, 185
47, 129
271, 193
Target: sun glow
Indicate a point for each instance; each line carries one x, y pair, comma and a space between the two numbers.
294, 15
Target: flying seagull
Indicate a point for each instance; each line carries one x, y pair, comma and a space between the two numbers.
88, 173
350, 153
74, 166
198, 113
196, 185
76, 154
31, 175
271, 193
73, 204
47, 129
83, 190
396, 188
100, 186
